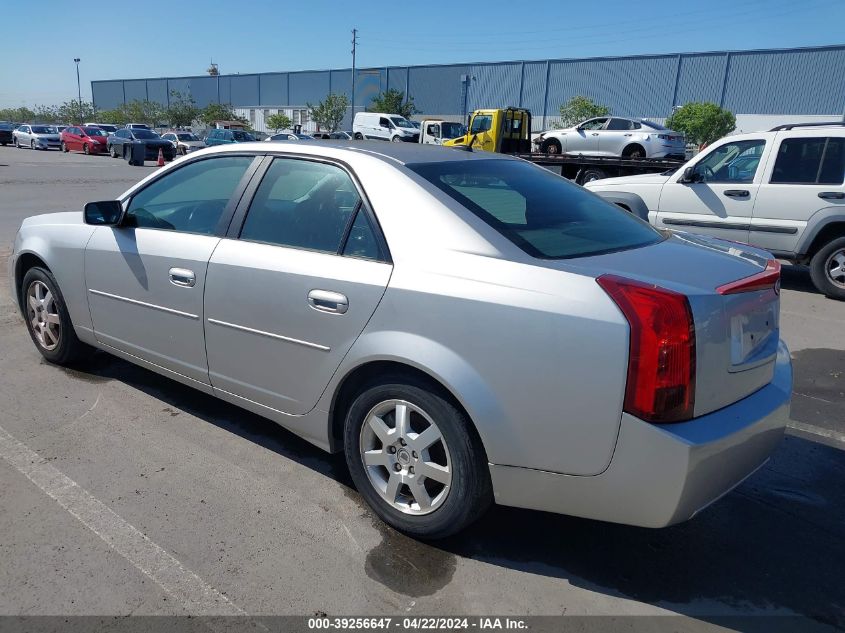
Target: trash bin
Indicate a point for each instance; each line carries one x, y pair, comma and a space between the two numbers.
135, 152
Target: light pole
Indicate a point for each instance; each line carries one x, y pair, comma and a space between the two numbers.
78, 90
354, 46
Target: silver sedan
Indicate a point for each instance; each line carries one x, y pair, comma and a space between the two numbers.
36, 137
466, 327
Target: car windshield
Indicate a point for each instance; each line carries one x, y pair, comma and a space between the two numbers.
398, 121
452, 130
94, 131
41, 129
653, 125
108, 128
144, 134
182, 136
545, 215
239, 135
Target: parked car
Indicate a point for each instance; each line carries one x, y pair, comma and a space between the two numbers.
780, 190
85, 139
6, 130
108, 127
36, 137
137, 126
117, 143
183, 142
384, 127
636, 375
224, 137
342, 135
614, 136
59, 128
290, 136
322, 134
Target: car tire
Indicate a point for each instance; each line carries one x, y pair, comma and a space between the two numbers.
459, 491
47, 319
86, 149
359, 136
396, 139
4, 143
827, 269
18, 143
64, 148
552, 146
32, 144
592, 174
112, 151
633, 151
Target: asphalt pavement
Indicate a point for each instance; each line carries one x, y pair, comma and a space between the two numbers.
123, 492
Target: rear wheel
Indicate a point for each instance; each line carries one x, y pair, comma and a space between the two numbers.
112, 151
47, 319
64, 147
633, 151
32, 144
552, 146
415, 459
592, 174
359, 136
827, 269
396, 139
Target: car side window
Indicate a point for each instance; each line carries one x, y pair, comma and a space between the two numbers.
302, 204
383, 122
594, 124
481, 123
190, 199
362, 241
735, 162
810, 161
619, 124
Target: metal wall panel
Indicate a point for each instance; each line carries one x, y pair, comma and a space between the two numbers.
437, 88
397, 78
107, 95
629, 86
203, 90
308, 87
534, 87
225, 88
341, 82
182, 85
135, 90
369, 82
244, 90
157, 91
700, 78
493, 86
273, 88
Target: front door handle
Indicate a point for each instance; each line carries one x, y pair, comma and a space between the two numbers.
328, 301
182, 277
737, 193
595, 133
832, 195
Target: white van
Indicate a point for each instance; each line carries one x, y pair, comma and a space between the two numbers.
384, 127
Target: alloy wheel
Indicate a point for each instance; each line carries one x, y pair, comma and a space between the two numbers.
405, 457
835, 267
43, 315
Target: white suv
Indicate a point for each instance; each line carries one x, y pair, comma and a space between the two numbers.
781, 190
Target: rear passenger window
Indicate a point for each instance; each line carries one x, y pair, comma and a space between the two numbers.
619, 124
302, 204
362, 240
810, 161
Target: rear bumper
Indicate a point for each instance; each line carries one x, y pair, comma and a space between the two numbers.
663, 474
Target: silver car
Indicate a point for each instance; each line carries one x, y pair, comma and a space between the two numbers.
184, 142
614, 136
466, 327
36, 137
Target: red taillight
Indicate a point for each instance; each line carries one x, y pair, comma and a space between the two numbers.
661, 360
768, 279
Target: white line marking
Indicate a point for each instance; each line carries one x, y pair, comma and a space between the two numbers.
191, 591
817, 430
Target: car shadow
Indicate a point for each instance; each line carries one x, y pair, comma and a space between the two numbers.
795, 277
776, 544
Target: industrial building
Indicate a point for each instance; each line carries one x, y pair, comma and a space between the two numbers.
762, 87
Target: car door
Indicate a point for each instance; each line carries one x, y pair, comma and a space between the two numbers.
719, 199
614, 137
24, 135
481, 132
146, 277
585, 138
289, 292
803, 177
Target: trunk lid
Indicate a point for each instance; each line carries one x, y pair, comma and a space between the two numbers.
736, 334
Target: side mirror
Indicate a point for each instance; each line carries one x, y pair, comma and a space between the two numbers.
689, 175
105, 213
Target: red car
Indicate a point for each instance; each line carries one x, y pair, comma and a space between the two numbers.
91, 140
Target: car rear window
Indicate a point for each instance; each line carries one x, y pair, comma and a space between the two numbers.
545, 215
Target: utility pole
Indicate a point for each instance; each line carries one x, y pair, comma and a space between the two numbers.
79, 90
354, 45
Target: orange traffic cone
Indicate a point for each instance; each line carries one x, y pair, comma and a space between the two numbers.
160, 162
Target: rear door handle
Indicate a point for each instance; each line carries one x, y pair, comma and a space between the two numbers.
595, 133
737, 193
328, 301
832, 195
182, 277
628, 134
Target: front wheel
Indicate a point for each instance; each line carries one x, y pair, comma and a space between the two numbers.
416, 459
85, 149
64, 147
32, 144
359, 136
552, 146
396, 139
112, 151
48, 320
827, 269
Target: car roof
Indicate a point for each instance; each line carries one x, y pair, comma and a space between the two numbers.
402, 153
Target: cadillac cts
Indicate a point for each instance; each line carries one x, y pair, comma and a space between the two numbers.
466, 327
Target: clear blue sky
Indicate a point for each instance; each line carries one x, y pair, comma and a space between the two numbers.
181, 37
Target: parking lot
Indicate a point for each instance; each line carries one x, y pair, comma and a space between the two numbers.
248, 518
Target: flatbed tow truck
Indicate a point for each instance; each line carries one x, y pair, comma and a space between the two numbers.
508, 131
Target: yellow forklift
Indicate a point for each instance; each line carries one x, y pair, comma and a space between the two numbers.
506, 130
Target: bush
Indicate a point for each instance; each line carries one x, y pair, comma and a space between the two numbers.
702, 123
578, 109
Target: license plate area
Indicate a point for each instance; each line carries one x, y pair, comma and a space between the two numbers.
754, 333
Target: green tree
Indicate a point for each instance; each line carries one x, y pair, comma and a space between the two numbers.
46, 114
278, 121
18, 115
144, 111
702, 122
115, 117
75, 112
393, 101
219, 112
578, 109
182, 109
329, 113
